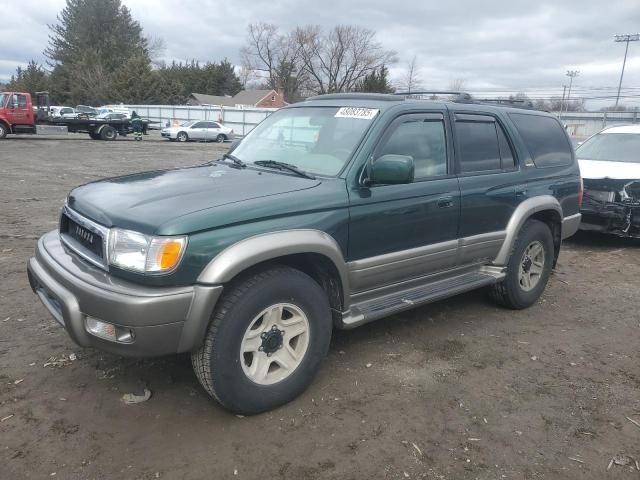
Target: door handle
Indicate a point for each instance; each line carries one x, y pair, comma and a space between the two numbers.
445, 202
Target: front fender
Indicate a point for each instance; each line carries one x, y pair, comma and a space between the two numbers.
268, 246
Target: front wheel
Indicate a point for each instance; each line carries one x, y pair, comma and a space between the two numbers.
528, 269
3, 131
182, 137
265, 342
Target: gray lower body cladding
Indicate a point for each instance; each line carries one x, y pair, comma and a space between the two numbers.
160, 320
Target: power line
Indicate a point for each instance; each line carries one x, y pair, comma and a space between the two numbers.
627, 37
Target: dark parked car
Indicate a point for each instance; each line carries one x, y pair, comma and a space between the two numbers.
610, 166
331, 213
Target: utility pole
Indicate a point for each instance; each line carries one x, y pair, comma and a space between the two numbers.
571, 74
627, 37
564, 92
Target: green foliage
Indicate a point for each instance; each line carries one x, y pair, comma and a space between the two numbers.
103, 27
32, 79
98, 54
375, 82
136, 82
91, 40
210, 78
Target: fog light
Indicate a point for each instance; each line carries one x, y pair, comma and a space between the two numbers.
101, 329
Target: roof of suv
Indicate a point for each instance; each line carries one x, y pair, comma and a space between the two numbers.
384, 101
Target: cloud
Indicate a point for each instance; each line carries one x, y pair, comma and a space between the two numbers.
508, 46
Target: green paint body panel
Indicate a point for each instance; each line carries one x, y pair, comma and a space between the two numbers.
218, 204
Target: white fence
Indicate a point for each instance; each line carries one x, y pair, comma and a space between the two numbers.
242, 120
584, 124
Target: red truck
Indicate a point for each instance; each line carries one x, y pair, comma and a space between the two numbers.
18, 114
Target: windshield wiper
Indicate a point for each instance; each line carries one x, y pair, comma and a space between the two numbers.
234, 159
284, 166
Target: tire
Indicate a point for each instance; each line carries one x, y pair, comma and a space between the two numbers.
94, 136
182, 137
225, 373
108, 133
220, 138
3, 131
515, 291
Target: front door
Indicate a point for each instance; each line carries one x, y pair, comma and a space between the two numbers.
18, 110
406, 231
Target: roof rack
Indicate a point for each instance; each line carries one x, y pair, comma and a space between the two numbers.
506, 101
465, 97
462, 97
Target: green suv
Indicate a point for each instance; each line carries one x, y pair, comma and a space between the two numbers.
331, 213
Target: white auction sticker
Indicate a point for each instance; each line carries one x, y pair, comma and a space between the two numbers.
356, 112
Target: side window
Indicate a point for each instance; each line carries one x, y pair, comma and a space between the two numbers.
424, 141
198, 125
478, 146
506, 153
545, 139
21, 100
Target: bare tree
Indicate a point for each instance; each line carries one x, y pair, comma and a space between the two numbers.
275, 57
457, 85
336, 60
410, 81
156, 48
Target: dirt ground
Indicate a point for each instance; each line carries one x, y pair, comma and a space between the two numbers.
454, 390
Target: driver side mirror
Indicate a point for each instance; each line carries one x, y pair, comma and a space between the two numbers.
392, 170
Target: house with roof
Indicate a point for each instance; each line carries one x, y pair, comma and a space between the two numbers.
243, 99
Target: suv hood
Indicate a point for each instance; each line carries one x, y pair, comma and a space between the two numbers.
144, 202
597, 169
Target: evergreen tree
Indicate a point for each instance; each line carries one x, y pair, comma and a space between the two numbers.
375, 82
135, 82
91, 39
31, 79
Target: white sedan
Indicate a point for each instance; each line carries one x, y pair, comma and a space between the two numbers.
198, 130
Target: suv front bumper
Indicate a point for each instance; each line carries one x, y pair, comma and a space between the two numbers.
161, 320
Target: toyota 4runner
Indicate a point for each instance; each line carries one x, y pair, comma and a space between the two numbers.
331, 213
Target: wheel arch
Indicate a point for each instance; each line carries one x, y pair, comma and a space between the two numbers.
313, 252
544, 208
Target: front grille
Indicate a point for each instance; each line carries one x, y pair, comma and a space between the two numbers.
91, 241
84, 237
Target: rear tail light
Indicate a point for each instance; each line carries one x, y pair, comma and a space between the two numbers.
580, 193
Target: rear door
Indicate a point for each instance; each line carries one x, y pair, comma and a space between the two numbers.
488, 174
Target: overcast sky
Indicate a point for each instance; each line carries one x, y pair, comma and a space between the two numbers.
504, 46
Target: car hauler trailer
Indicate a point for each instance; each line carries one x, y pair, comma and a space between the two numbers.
19, 115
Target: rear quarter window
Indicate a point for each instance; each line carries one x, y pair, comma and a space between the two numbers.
544, 138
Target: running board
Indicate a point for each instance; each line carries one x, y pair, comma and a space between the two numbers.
374, 309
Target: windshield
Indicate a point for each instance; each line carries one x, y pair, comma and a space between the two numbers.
187, 124
614, 147
3, 99
315, 139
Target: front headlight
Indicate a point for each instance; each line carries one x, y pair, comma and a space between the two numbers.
145, 254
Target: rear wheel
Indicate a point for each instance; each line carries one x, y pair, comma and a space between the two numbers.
108, 133
94, 135
220, 138
529, 267
3, 131
265, 342
182, 137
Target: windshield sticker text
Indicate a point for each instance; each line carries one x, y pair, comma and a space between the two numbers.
356, 112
